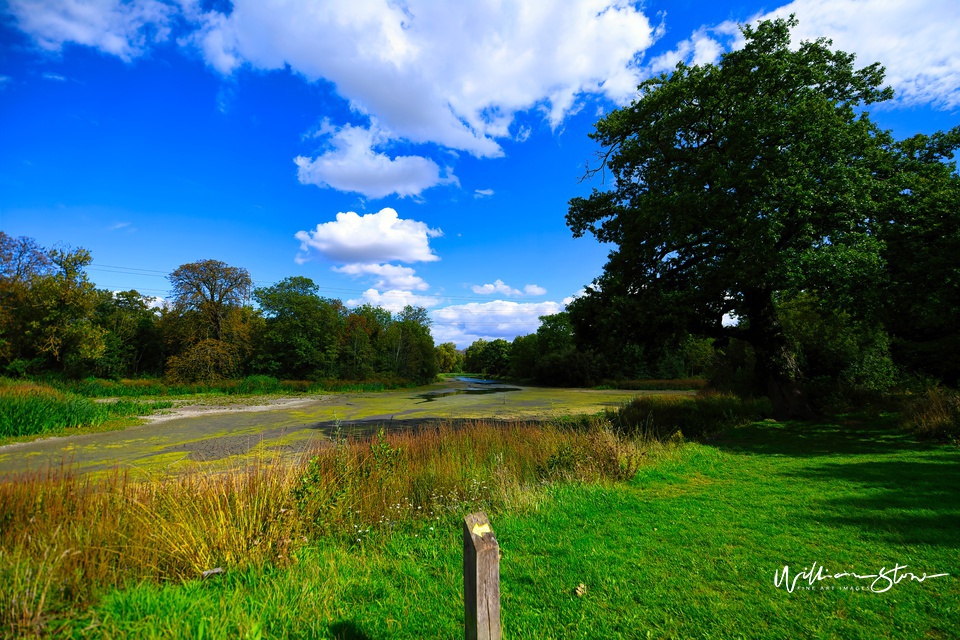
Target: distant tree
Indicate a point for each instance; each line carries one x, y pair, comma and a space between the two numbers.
449, 359
22, 263
360, 343
210, 288
474, 356
525, 356
739, 184
48, 304
302, 331
133, 344
206, 361
920, 235
409, 346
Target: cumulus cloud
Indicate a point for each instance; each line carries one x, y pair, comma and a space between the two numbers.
372, 238
917, 41
124, 29
388, 276
394, 300
455, 77
353, 164
499, 286
505, 319
483, 193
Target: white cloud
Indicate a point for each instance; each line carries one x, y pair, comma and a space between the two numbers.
54, 76
389, 276
352, 164
372, 238
917, 41
499, 286
505, 319
123, 29
454, 75
482, 193
393, 300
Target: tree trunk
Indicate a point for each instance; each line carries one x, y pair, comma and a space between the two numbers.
777, 373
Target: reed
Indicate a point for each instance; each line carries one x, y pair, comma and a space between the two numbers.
27, 408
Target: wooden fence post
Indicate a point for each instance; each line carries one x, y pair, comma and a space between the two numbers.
481, 579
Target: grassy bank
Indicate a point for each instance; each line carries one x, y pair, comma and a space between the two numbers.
688, 549
251, 385
29, 409
66, 539
604, 533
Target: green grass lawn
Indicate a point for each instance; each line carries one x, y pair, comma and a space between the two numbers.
688, 549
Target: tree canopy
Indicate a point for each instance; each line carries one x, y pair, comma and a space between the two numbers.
737, 185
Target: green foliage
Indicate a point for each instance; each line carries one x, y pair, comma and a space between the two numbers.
300, 337
707, 414
835, 349
921, 239
449, 358
27, 409
741, 184
210, 288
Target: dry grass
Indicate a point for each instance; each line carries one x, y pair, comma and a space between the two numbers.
66, 537
936, 414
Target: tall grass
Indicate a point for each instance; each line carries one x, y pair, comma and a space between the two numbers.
66, 538
935, 414
705, 414
679, 384
27, 408
251, 385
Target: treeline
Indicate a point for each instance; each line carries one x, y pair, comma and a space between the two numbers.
557, 356
53, 320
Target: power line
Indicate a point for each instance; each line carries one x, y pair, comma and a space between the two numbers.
154, 273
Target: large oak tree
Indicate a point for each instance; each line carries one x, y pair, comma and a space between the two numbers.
740, 182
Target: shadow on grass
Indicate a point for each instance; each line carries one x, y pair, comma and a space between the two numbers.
347, 630
899, 501
842, 436
866, 475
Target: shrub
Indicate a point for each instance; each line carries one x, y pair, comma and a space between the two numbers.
662, 417
206, 361
935, 414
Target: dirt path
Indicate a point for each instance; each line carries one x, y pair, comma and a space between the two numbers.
223, 434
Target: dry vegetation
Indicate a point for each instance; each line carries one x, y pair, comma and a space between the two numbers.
65, 538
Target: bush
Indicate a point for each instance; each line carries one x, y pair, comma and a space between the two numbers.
709, 413
206, 361
935, 414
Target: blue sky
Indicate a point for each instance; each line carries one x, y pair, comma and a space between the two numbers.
394, 152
